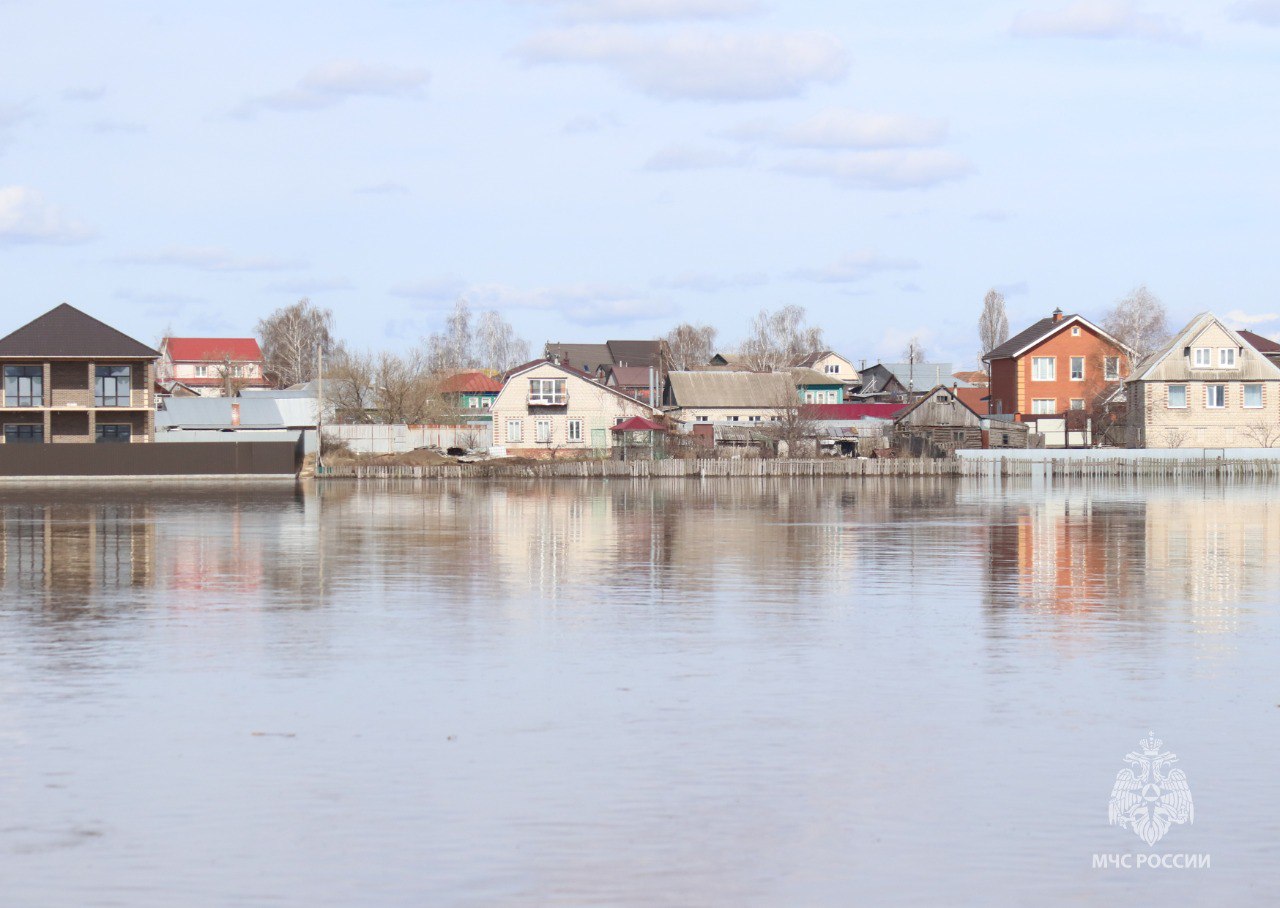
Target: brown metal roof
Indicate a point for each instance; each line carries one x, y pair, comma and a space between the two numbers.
65, 331
1038, 331
1262, 344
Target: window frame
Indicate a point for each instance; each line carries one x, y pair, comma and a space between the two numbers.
33, 375
1208, 396
1195, 358
518, 435
1108, 373
24, 433
1168, 397
1037, 411
1072, 365
574, 427
1261, 396
539, 425
555, 397
114, 374
116, 437
1038, 361
1074, 401
1224, 354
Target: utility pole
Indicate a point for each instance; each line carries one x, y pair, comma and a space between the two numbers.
319, 406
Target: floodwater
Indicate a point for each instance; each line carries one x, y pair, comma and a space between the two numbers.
727, 692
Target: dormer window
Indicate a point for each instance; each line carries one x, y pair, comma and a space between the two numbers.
1227, 357
1202, 358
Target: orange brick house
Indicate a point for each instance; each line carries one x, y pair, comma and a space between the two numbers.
1061, 363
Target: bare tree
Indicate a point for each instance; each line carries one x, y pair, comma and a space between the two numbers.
497, 346
408, 391
1139, 321
351, 386
993, 325
231, 375
690, 345
779, 338
913, 352
290, 338
1173, 437
793, 427
1265, 432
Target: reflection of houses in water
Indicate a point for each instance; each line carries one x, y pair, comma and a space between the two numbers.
76, 548
1066, 552
1213, 552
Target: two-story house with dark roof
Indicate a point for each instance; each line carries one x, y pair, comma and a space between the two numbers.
70, 378
1061, 363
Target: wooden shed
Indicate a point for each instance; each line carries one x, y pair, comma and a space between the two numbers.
936, 425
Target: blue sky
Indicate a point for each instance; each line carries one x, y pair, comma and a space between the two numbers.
606, 168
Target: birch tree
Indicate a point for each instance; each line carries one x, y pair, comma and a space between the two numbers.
497, 346
690, 345
1140, 321
290, 338
778, 338
491, 344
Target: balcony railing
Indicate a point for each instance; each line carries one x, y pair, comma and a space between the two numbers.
548, 400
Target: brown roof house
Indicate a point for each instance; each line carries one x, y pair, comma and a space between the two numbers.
70, 378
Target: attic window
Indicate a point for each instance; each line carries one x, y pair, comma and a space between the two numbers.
1075, 332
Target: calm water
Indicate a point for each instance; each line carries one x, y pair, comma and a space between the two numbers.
719, 693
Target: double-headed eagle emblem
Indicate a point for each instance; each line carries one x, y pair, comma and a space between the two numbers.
1149, 796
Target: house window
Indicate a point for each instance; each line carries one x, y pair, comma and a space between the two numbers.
1043, 368
1202, 357
832, 370
1227, 357
1077, 403
24, 386
514, 429
546, 392
1075, 332
1253, 397
1077, 368
110, 434
1215, 396
754, 418
1044, 405
542, 431
1177, 397
733, 419
957, 435
486, 403
111, 386
619, 420
202, 371
23, 434
808, 397
702, 419
575, 431
1111, 366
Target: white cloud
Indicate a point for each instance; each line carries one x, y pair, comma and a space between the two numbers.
705, 282
1240, 317
843, 128
208, 258
619, 311
857, 266
701, 65
1263, 12
432, 290
1102, 19
884, 169
26, 217
333, 83
651, 10
589, 304
84, 94
687, 157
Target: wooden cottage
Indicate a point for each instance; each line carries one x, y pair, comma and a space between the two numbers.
937, 424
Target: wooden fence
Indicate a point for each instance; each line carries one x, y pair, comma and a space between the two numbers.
1048, 468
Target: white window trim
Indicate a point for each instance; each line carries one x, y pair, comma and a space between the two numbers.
570, 426
1168, 398
1107, 373
1051, 401
1053, 367
1077, 400
1210, 406
538, 425
1225, 353
1262, 396
1195, 358
518, 425
1071, 364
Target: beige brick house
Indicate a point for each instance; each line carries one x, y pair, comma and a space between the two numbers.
70, 378
548, 410
1207, 388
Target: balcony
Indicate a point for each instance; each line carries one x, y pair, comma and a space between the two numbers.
548, 400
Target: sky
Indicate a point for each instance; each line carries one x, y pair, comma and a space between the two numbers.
608, 168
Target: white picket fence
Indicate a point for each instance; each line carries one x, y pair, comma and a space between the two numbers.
397, 439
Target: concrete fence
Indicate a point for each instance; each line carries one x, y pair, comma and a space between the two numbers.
398, 439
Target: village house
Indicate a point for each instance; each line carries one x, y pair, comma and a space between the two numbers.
546, 410
730, 397
1208, 387
1061, 363
832, 364
816, 387
471, 393
900, 381
937, 424
211, 366
1264, 345
70, 378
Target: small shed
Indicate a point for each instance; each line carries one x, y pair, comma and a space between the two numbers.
937, 424
639, 438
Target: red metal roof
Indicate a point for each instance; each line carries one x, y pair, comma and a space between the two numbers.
975, 399
638, 424
1258, 342
471, 383
852, 411
212, 349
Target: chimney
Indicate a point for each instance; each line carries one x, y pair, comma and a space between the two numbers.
1057, 315
235, 414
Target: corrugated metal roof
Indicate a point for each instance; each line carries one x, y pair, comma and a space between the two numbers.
1169, 364
732, 389
471, 383
853, 411
213, 349
806, 377
256, 412
66, 331
920, 376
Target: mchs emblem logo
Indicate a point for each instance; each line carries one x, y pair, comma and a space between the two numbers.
1150, 796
